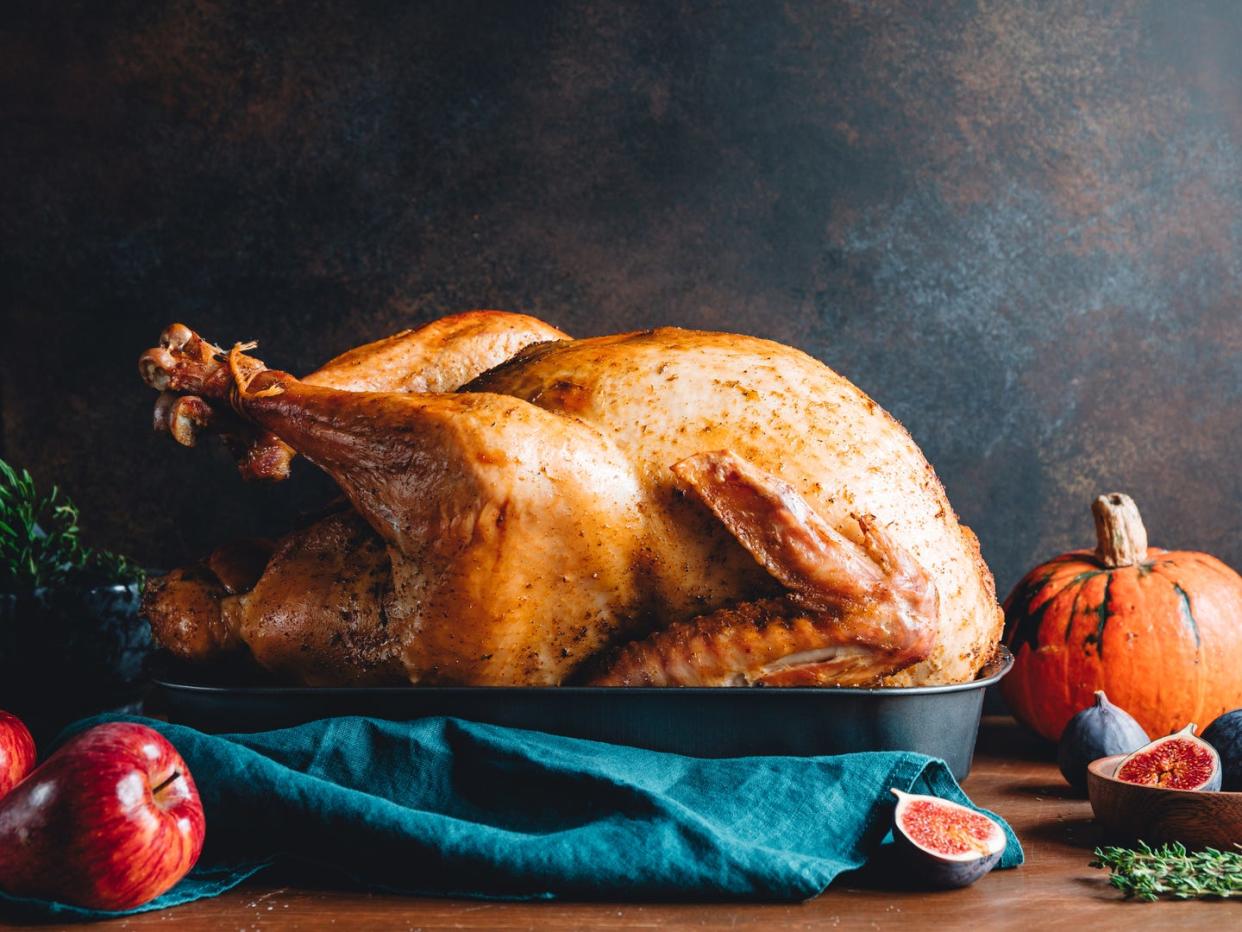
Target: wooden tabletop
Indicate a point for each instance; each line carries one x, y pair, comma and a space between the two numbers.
1012, 775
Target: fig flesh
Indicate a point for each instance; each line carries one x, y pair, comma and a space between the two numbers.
1179, 761
1225, 735
949, 845
1100, 730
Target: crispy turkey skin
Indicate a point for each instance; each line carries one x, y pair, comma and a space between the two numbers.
665, 507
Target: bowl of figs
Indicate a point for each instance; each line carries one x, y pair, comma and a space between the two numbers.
1183, 787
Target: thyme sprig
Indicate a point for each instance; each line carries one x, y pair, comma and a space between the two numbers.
1148, 873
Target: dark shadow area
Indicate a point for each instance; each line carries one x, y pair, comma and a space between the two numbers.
1003, 736
1077, 833
1048, 791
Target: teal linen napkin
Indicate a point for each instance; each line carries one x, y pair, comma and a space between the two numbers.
448, 807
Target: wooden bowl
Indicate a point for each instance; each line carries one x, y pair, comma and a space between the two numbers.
1129, 811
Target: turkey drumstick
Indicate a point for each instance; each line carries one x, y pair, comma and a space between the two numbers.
478, 497
314, 611
437, 357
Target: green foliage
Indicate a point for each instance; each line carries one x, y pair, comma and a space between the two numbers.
106, 567
1148, 874
41, 543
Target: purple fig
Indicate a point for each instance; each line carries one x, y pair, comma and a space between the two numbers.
1225, 735
1100, 730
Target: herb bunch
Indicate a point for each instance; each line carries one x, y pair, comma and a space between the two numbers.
41, 544
1149, 873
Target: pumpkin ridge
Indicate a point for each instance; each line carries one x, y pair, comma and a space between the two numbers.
1073, 612
1085, 575
1222, 570
1028, 631
1073, 556
1188, 614
1102, 615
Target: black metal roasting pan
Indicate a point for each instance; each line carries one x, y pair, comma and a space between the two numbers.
938, 720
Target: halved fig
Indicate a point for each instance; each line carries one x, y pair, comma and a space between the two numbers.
948, 844
1179, 761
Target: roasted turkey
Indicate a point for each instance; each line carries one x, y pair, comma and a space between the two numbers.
659, 508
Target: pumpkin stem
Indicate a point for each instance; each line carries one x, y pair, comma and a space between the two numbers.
1121, 539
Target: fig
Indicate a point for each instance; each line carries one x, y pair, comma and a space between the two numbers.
1100, 730
948, 844
1225, 735
1179, 761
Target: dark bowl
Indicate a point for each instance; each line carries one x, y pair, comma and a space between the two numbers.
69, 653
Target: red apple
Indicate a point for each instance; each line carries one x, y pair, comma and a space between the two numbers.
110, 821
17, 752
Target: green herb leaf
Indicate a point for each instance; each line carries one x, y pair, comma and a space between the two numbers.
1149, 873
40, 541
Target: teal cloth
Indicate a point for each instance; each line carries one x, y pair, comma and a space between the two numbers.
448, 807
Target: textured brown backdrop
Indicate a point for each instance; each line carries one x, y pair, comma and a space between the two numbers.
1017, 226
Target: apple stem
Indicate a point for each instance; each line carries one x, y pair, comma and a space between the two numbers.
176, 775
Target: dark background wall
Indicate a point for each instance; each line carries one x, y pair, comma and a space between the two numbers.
1018, 226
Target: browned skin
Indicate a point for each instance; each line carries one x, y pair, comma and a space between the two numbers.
314, 610
320, 613
533, 520
318, 610
438, 357
853, 612
193, 610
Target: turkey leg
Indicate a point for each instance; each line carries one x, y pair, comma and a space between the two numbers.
479, 497
312, 609
854, 613
207, 609
438, 357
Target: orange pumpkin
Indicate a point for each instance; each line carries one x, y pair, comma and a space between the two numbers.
1160, 631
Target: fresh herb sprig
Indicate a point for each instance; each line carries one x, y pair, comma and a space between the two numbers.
41, 544
1149, 873
40, 541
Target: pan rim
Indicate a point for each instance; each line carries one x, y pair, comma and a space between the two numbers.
991, 673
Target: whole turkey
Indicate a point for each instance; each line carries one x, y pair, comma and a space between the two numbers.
665, 507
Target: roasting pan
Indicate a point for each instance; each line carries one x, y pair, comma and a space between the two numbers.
938, 720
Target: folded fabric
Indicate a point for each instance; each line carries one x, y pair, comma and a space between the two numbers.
448, 807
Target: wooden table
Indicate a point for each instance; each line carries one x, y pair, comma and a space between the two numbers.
1012, 775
